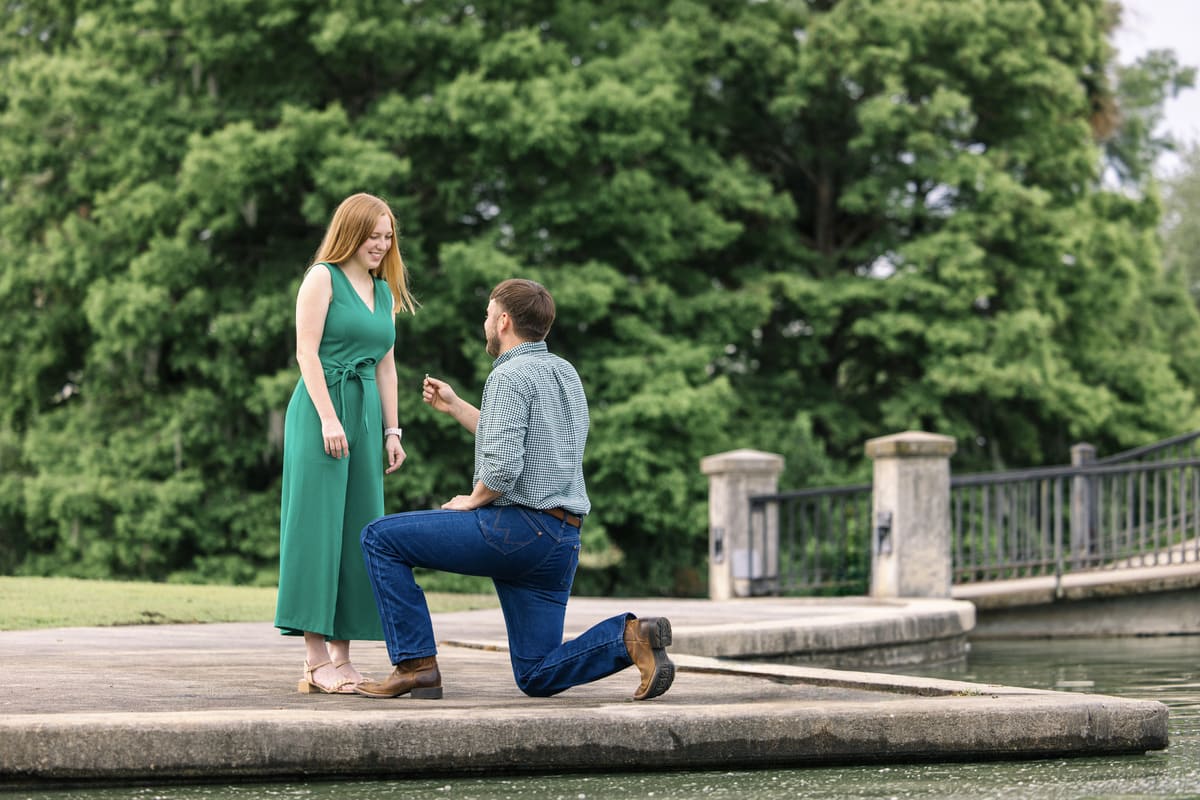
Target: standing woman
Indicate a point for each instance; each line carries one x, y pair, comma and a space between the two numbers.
341, 421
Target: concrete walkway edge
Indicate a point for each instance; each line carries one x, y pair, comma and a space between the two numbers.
159, 704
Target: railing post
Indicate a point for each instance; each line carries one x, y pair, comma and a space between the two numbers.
1082, 519
910, 508
737, 566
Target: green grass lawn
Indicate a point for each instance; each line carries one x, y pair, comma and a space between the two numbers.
27, 603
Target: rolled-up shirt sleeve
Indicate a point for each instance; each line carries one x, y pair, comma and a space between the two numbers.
500, 436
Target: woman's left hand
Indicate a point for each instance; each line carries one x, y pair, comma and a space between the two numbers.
395, 454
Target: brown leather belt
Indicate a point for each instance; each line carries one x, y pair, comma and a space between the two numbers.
564, 516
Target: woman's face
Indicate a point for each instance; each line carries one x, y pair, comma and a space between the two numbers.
372, 251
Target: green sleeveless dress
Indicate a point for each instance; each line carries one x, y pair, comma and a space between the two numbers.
323, 585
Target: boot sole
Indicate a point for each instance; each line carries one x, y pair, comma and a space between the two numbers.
664, 676
430, 693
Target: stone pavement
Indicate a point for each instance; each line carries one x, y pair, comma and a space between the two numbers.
156, 704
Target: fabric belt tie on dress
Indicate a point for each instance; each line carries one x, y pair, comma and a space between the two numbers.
563, 515
364, 370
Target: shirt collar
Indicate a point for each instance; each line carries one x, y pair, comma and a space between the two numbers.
520, 350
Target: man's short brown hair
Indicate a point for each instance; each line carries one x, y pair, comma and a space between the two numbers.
529, 305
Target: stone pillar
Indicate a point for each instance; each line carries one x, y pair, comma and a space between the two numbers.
1083, 507
911, 514
739, 566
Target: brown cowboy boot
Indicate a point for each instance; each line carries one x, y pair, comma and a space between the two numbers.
645, 639
416, 676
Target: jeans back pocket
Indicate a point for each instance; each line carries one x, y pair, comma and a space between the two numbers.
507, 529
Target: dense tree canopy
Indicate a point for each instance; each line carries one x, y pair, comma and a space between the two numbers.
1181, 221
786, 225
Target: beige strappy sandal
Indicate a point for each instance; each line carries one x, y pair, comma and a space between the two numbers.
341, 664
308, 684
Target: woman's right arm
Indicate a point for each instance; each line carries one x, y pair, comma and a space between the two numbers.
312, 306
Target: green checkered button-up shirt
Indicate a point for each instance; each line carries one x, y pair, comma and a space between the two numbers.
533, 425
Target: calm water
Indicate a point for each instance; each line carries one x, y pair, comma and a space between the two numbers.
1163, 669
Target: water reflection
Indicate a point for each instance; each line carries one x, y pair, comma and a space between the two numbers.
1166, 669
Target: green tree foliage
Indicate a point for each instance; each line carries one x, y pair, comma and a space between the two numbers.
1181, 221
784, 225
1136, 141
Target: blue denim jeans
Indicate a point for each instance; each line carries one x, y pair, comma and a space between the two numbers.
531, 558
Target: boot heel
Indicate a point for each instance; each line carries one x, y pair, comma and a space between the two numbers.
660, 635
432, 693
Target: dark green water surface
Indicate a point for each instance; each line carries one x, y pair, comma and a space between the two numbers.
1166, 669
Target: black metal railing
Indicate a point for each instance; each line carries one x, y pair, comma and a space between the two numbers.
824, 542
1137, 508
1185, 445
1057, 520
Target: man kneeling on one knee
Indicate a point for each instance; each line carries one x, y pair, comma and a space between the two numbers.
519, 526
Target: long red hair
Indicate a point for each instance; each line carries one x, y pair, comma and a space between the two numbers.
352, 223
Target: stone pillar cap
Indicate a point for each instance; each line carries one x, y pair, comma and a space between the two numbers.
911, 444
743, 460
